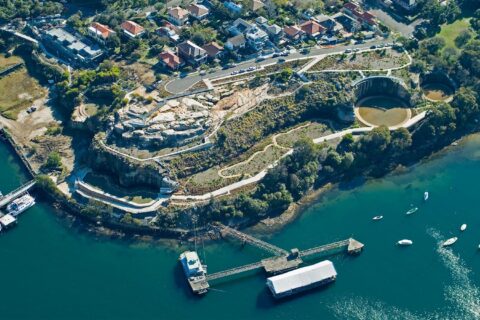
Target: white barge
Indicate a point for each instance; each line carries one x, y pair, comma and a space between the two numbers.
302, 279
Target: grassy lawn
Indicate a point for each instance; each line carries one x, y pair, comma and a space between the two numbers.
18, 90
312, 131
450, 31
259, 162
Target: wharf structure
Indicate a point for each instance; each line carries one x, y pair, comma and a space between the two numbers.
282, 260
8, 220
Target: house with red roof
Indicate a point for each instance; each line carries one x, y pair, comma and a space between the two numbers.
100, 32
132, 29
170, 60
312, 29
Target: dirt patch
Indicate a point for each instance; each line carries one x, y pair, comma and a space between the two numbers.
19, 90
437, 91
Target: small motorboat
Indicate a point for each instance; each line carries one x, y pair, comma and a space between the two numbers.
449, 242
463, 227
413, 210
376, 218
425, 196
405, 242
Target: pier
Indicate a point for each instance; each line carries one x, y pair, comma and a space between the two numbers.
6, 199
283, 260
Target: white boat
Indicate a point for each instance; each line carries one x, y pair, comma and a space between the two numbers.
405, 242
463, 227
21, 204
194, 271
413, 210
449, 242
425, 195
377, 218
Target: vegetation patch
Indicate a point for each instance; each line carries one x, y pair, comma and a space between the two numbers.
312, 131
377, 60
206, 181
450, 32
256, 163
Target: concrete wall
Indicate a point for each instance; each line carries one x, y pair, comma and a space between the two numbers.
382, 86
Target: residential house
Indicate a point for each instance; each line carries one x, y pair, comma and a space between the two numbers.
256, 38
69, 47
408, 5
294, 33
312, 29
261, 21
365, 18
198, 11
213, 49
100, 32
236, 42
132, 29
177, 15
328, 23
233, 7
275, 32
349, 24
191, 53
240, 26
171, 60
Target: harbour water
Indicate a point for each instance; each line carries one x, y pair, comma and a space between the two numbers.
52, 271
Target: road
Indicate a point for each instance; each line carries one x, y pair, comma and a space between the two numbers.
181, 84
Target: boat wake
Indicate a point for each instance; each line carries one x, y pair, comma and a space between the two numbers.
364, 309
463, 295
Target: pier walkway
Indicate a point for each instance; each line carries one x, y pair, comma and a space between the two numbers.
282, 261
224, 230
16, 193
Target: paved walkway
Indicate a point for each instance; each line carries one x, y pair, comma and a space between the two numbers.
136, 208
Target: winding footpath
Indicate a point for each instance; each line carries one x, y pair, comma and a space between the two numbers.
135, 208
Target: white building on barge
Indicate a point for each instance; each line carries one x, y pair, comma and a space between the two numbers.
302, 279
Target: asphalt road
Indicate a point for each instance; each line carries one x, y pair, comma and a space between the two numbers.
181, 84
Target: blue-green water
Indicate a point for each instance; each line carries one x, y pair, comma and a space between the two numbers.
50, 271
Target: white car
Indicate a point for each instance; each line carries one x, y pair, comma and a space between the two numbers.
234, 72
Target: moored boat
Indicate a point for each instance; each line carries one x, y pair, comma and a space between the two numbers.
449, 242
376, 218
20, 204
413, 210
463, 227
194, 271
405, 242
425, 195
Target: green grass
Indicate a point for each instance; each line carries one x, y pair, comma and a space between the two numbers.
450, 31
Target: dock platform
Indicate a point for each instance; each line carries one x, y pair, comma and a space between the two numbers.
282, 261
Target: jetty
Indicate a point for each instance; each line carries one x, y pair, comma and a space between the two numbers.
282, 260
6, 199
